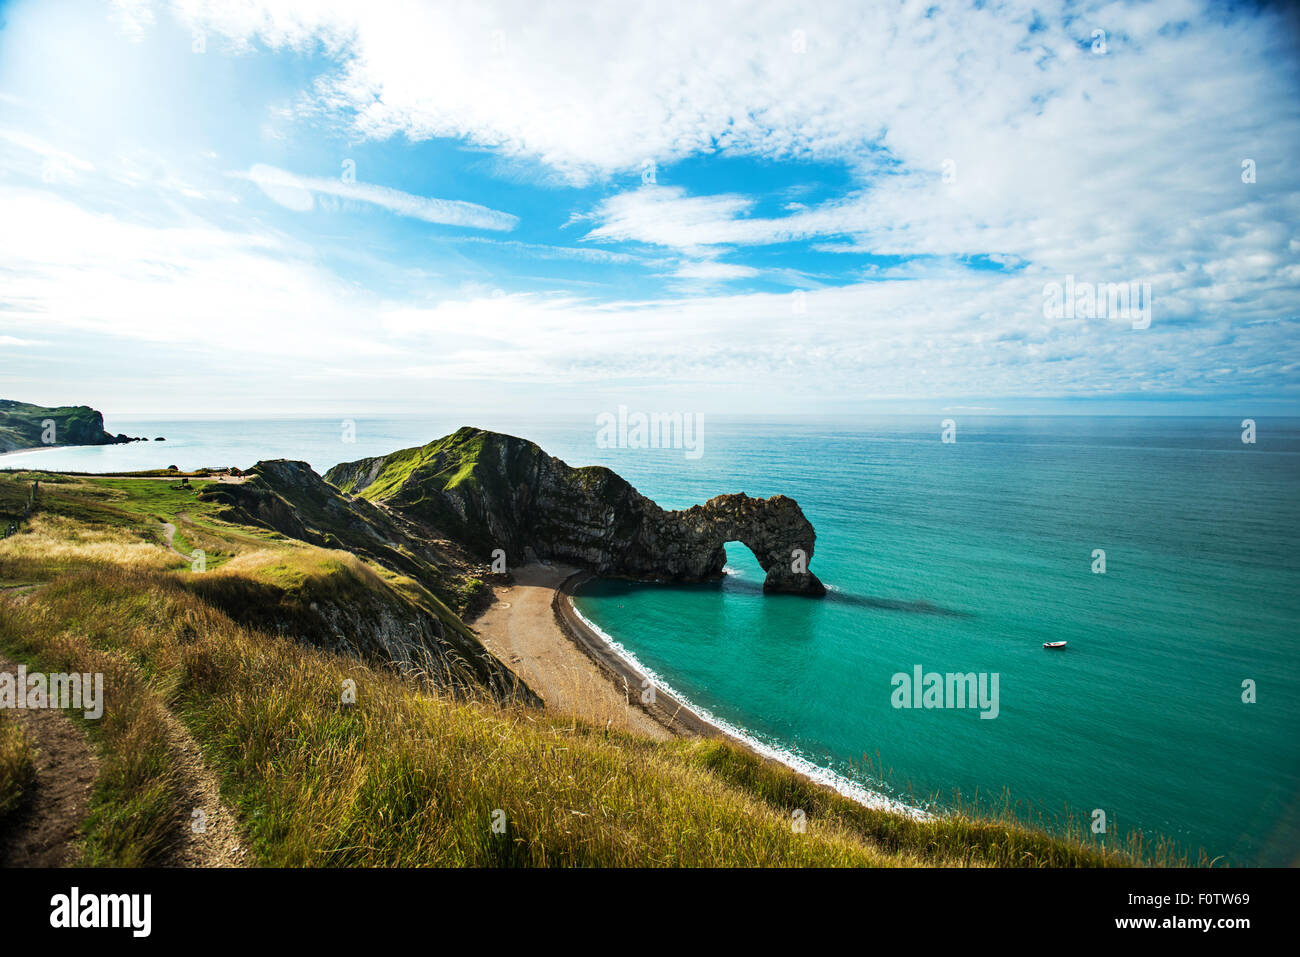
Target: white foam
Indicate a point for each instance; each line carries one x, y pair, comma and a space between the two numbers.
837, 782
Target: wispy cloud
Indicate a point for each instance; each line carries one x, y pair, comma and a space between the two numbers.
71, 271
132, 17
714, 271
299, 192
546, 251
55, 164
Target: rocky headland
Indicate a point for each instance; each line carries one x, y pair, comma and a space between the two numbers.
27, 426
490, 492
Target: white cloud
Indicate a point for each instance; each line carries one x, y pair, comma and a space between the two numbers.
70, 271
714, 271
34, 144
42, 159
258, 309
1114, 166
918, 339
1057, 156
666, 216
546, 251
593, 89
132, 17
296, 193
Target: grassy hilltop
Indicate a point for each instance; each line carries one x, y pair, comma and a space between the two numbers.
101, 578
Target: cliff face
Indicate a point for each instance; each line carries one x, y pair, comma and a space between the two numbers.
488, 491
420, 629
23, 426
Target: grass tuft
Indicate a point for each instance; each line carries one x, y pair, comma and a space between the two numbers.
17, 767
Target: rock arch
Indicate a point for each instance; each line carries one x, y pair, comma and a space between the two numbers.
775, 530
488, 491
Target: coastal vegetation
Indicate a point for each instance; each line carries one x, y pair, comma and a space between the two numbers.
351, 753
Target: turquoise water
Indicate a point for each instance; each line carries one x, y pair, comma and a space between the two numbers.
960, 557
967, 557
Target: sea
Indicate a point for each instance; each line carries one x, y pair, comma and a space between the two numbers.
1162, 550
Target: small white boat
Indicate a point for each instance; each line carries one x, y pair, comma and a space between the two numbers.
1053, 644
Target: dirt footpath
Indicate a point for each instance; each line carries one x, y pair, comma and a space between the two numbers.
45, 832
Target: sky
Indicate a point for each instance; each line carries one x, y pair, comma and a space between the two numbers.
773, 208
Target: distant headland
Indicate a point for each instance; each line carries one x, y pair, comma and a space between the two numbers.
27, 426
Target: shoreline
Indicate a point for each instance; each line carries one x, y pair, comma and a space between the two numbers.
683, 719
78, 445
677, 717
520, 628
37, 448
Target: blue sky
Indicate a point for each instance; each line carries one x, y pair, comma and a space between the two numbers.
278, 207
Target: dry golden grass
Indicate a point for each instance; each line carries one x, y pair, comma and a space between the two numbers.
53, 542
17, 769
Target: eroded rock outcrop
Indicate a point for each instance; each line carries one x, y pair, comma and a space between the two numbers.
489, 491
346, 609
